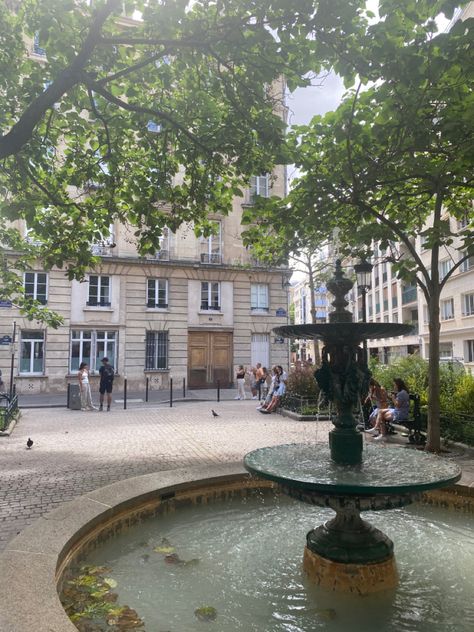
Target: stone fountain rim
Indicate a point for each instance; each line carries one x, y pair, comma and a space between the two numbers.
359, 331
30, 563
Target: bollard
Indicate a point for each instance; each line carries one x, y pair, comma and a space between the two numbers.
259, 387
68, 396
147, 385
171, 392
218, 390
125, 393
184, 387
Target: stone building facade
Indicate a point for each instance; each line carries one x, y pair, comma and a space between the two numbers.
195, 310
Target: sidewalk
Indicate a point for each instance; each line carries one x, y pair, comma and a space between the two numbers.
134, 398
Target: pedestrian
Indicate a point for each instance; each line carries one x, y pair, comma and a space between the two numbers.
85, 387
240, 377
253, 381
107, 375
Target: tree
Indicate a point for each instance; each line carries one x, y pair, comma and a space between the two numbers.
151, 121
395, 159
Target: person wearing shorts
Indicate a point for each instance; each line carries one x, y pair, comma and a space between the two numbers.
107, 374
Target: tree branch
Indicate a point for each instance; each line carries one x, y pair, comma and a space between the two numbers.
93, 85
14, 140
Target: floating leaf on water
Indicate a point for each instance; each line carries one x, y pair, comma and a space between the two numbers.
110, 582
164, 549
206, 613
172, 558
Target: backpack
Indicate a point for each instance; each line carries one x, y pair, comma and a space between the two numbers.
108, 373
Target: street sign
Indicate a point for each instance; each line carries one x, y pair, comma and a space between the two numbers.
5, 340
5, 303
280, 312
279, 341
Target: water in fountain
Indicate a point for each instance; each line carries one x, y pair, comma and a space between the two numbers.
249, 570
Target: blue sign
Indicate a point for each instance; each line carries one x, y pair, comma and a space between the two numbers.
279, 341
5, 340
280, 312
5, 303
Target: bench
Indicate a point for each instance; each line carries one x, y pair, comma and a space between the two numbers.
412, 424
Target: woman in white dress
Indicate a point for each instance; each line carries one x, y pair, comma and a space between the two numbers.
85, 387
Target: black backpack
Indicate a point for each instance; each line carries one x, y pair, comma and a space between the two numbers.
108, 373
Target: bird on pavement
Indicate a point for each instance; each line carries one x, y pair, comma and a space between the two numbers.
29, 444
214, 414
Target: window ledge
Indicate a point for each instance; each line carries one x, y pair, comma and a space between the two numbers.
28, 376
97, 308
156, 370
210, 312
264, 311
157, 309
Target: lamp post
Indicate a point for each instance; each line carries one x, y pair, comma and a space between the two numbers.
363, 271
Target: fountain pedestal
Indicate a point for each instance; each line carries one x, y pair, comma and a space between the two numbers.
347, 553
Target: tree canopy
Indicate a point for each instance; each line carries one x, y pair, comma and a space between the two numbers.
394, 160
150, 120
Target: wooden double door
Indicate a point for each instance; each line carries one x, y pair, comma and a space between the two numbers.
209, 359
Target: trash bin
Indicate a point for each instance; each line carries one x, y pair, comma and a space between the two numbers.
74, 397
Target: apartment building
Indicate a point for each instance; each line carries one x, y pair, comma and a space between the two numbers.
392, 300
300, 298
194, 310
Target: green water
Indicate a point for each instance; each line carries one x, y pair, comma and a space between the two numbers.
249, 570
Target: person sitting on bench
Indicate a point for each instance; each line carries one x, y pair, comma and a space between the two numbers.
377, 397
399, 411
279, 389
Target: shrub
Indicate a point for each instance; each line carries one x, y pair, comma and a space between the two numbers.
301, 382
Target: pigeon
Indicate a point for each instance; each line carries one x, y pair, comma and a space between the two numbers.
214, 414
29, 444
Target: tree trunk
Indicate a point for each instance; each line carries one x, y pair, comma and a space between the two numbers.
434, 438
317, 352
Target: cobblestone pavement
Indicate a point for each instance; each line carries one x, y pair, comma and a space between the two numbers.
75, 452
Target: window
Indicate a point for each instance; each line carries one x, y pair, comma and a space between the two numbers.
424, 242
99, 291
469, 351
32, 352
156, 353
466, 265
36, 46
447, 309
157, 293
445, 349
259, 297
36, 286
444, 267
210, 296
259, 185
303, 308
468, 304
211, 246
91, 346
104, 246
164, 252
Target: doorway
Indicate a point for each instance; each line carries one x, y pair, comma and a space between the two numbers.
209, 359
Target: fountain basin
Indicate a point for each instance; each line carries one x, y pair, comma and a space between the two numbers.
34, 563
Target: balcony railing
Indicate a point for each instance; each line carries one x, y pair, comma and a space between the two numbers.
154, 305
93, 302
409, 295
212, 258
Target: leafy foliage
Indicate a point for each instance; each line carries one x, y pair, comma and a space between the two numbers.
391, 160
150, 121
301, 383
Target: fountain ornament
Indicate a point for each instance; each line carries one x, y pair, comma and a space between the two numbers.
348, 554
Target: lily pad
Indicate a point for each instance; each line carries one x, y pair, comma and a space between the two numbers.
164, 549
111, 583
206, 613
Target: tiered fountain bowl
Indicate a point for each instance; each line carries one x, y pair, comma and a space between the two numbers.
347, 554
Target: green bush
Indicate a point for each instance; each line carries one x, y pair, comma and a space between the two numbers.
301, 382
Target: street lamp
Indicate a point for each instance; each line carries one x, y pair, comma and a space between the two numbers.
363, 271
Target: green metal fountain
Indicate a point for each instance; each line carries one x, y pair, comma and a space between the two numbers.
348, 554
